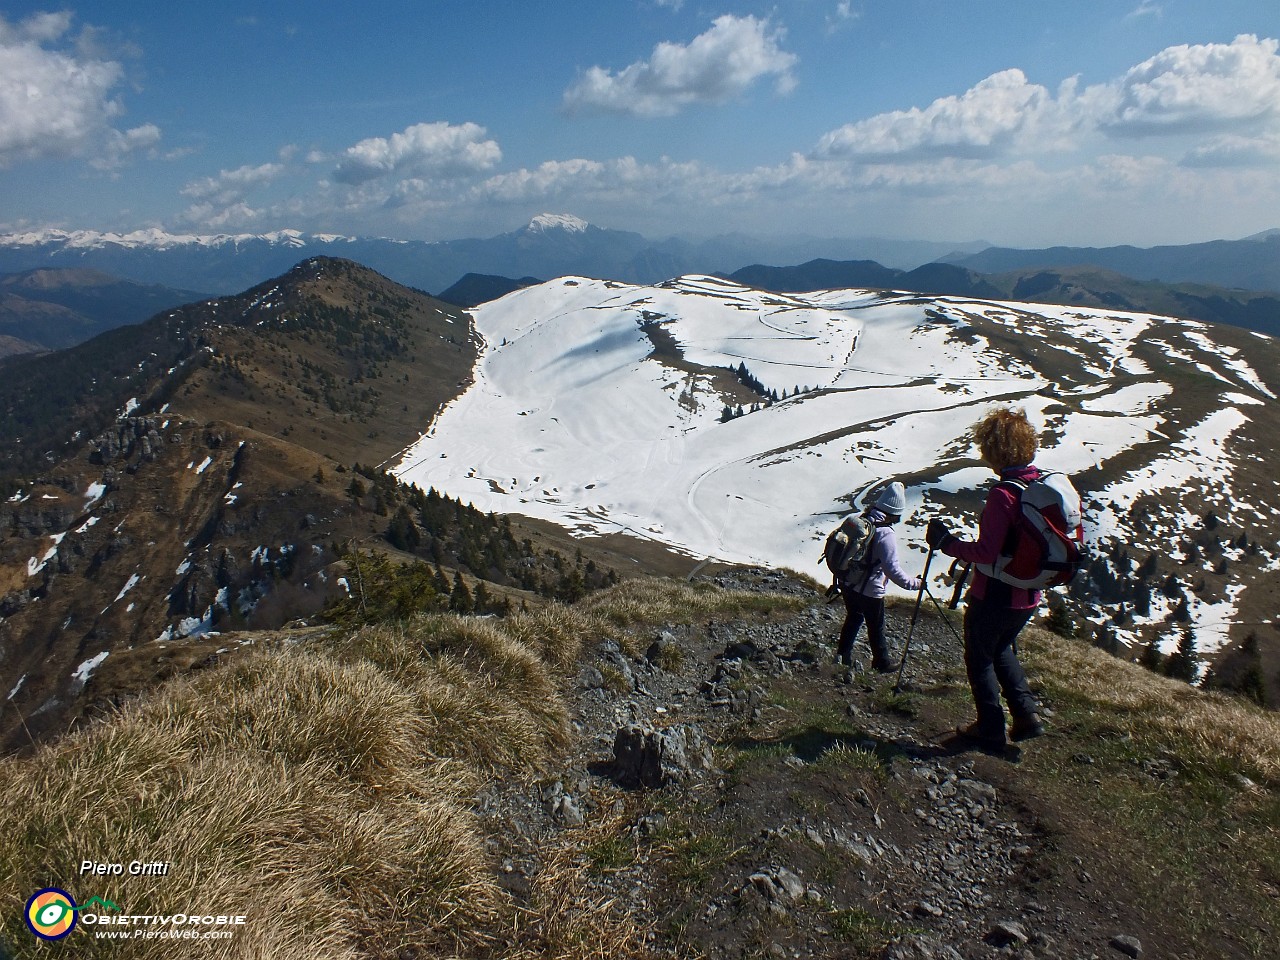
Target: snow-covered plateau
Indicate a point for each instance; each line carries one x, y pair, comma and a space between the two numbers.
609, 407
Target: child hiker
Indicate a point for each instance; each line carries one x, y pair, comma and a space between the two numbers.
864, 592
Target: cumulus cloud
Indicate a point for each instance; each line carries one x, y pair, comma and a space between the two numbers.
118, 147
1197, 89
210, 216
232, 185
220, 202
999, 113
54, 99
1231, 150
714, 67
425, 150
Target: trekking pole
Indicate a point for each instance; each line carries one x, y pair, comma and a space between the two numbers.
924, 579
943, 615
960, 582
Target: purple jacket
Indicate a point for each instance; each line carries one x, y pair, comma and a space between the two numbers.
998, 516
884, 558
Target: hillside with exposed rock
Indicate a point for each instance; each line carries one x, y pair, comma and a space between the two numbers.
207, 471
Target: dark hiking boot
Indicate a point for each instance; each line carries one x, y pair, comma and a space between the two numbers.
974, 736
1026, 728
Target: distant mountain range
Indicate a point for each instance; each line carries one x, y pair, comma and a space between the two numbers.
1252, 263
1080, 286
477, 288
51, 309
550, 245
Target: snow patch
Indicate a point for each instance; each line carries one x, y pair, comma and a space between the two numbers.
85, 670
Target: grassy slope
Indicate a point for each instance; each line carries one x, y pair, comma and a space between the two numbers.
323, 788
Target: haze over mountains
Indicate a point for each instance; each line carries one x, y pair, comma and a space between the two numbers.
550, 245
1222, 281
1252, 263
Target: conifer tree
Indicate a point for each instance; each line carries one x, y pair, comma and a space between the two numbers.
1059, 620
460, 599
1184, 663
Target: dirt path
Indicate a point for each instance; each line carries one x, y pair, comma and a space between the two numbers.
811, 816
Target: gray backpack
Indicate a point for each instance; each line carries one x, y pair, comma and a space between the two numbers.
847, 551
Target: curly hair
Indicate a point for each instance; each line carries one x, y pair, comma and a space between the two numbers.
1006, 438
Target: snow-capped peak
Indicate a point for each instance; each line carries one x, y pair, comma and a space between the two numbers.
154, 238
544, 222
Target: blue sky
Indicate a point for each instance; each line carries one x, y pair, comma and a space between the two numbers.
1021, 122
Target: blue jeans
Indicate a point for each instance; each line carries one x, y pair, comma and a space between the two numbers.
991, 661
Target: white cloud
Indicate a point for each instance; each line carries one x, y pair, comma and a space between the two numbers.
231, 185
842, 16
219, 202
53, 102
118, 147
1230, 150
210, 216
425, 149
714, 67
1206, 88
1147, 8
1002, 113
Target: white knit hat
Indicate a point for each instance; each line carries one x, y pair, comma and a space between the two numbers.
892, 500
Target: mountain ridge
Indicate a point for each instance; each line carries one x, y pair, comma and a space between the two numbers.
53, 308
1252, 263
1086, 286
549, 245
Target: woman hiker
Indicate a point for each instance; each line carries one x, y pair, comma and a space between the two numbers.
864, 594
996, 612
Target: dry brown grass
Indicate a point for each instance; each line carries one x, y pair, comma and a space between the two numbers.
327, 799
563, 919
321, 866
480, 695
1216, 729
324, 789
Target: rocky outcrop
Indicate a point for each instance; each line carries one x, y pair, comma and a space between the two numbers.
645, 757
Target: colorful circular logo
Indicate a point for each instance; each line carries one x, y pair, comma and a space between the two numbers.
51, 913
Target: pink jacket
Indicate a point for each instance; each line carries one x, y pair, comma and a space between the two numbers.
999, 514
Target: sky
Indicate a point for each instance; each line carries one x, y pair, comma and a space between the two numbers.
1018, 122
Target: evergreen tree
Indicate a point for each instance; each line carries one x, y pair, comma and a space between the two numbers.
1148, 568
1106, 639
460, 599
483, 602
1184, 663
1059, 620
401, 532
